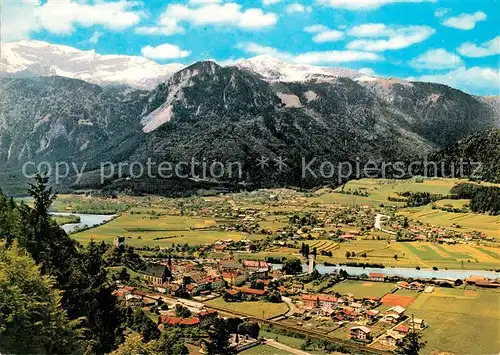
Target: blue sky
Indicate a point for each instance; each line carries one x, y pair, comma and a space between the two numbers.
453, 42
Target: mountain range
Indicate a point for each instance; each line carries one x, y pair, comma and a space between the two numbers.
55, 106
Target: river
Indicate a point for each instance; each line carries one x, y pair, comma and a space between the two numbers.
86, 220
404, 272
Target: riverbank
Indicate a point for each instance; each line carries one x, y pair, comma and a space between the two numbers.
85, 220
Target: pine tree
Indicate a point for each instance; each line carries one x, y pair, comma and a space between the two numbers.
31, 317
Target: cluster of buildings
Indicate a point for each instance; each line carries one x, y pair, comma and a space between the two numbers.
203, 279
402, 325
341, 309
362, 315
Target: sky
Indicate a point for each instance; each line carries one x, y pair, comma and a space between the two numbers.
452, 42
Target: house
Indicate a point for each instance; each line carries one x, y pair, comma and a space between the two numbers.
256, 265
403, 284
417, 286
252, 291
219, 247
155, 274
391, 338
233, 292
148, 302
402, 329
372, 313
397, 309
394, 314
133, 300
360, 333
417, 323
310, 301
177, 321
123, 291
375, 276
349, 314
231, 266
327, 303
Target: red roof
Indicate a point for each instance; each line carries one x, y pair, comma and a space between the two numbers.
180, 321
232, 292
252, 291
402, 328
325, 298
140, 293
203, 314
309, 297
377, 275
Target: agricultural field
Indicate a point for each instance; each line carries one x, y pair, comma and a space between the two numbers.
380, 189
362, 289
260, 309
156, 221
461, 321
468, 222
452, 203
287, 340
157, 229
450, 256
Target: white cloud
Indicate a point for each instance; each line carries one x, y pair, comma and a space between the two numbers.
22, 18
296, 7
229, 14
478, 80
96, 36
317, 57
328, 36
203, 2
166, 26
270, 2
370, 30
315, 29
469, 49
164, 51
61, 16
387, 38
465, 21
437, 59
441, 12
18, 19
365, 4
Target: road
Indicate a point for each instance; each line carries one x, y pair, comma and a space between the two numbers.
378, 224
292, 309
284, 347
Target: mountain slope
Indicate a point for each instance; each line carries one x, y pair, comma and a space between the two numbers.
231, 115
54, 118
481, 147
37, 58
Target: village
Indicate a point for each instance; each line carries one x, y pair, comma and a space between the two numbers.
318, 272
366, 312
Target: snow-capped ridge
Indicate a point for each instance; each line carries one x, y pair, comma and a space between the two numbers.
274, 69
38, 58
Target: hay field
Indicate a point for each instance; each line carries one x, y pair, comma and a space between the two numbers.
461, 321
